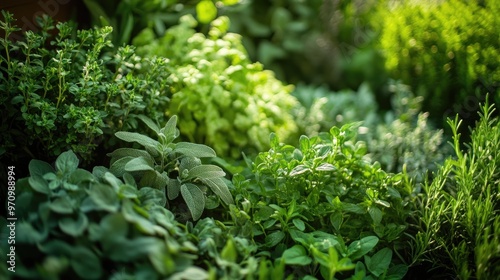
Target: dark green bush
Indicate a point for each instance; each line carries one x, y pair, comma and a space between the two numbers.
442, 56
221, 98
458, 218
74, 224
67, 92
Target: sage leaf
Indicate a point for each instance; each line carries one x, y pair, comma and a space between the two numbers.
194, 150
220, 188
205, 171
195, 199
139, 164
143, 140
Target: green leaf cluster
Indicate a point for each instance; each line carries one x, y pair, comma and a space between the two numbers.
458, 220
324, 209
172, 168
443, 57
68, 90
76, 224
400, 139
221, 98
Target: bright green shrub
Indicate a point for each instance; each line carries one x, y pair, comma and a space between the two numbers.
221, 98
66, 92
458, 218
323, 209
442, 56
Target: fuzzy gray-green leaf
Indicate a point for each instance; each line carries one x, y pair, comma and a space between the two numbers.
126, 152
143, 140
205, 171
194, 150
195, 199
139, 164
149, 122
220, 188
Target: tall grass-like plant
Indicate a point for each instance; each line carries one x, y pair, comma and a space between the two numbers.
459, 223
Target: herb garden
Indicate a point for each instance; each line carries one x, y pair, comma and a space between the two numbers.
238, 139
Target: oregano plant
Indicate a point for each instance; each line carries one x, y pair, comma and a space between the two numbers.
175, 168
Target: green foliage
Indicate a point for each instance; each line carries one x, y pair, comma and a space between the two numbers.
65, 92
221, 98
74, 224
324, 206
402, 138
443, 57
128, 18
406, 139
321, 108
458, 218
172, 168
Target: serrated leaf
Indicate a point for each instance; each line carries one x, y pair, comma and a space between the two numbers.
220, 188
139, 164
195, 199
74, 227
194, 150
206, 171
296, 256
143, 140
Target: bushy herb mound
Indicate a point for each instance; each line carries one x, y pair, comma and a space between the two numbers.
76, 224
323, 209
459, 223
442, 56
221, 98
66, 91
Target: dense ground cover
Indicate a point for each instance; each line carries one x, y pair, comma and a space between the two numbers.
160, 148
